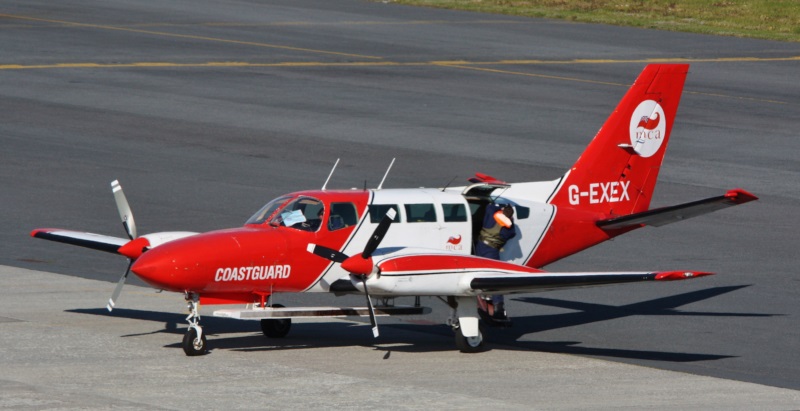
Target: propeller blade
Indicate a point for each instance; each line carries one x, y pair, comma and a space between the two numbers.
118, 289
327, 253
372, 319
379, 233
124, 209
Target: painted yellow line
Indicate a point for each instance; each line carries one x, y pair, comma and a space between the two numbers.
297, 23
162, 64
189, 36
463, 64
519, 73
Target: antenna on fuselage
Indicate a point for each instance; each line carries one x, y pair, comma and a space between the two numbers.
330, 175
448, 183
387, 173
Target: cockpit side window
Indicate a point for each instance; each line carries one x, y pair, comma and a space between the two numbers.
266, 212
302, 213
342, 215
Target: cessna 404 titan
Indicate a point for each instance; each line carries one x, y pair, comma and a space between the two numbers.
390, 243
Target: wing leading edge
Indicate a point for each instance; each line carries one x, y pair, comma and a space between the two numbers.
89, 240
500, 284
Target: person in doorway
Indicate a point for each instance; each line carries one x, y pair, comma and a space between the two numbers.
497, 229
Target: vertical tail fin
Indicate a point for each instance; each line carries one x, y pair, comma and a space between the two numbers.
617, 173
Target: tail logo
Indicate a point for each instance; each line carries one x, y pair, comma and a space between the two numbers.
648, 128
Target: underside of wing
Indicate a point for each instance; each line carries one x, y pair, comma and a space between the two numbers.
443, 274
519, 283
89, 240
666, 215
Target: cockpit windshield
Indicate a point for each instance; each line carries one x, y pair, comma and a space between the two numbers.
302, 213
267, 211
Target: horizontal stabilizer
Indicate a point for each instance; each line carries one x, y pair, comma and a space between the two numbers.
666, 215
551, 281
89, 240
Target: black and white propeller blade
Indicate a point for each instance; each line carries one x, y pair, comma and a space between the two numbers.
118, 289
372, 319
379, 233
124, 209
126, 215
327, 253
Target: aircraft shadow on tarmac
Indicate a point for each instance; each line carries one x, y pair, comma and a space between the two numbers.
429, 337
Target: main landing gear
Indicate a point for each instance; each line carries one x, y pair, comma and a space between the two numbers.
276, 328
194, 341
464, 321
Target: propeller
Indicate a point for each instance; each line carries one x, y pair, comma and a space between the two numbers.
129, 224
124, 209
360, 265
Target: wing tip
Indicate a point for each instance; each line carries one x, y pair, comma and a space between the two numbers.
680, 275
740, 196
39, 232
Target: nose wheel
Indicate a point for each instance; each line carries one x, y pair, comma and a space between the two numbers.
194, 341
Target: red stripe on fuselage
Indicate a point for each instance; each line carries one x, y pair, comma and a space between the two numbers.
251, 259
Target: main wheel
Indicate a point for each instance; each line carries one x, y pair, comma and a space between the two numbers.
276, 328
192, 345
468, 344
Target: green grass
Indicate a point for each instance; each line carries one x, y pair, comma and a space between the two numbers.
764, 19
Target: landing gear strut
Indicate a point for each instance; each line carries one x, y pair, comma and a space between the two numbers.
194, 341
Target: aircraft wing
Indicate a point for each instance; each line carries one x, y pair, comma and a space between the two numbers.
499, 284
89, 240
443, 274
666, 215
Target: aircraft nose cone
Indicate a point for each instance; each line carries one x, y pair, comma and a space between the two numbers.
153, 269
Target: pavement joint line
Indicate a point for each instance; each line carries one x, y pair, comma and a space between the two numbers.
189, 36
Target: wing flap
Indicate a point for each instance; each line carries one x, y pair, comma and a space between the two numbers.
507, 284
666, 215
89, 240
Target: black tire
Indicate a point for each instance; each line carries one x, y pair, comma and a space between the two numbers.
192, 347
468, 345
276, 328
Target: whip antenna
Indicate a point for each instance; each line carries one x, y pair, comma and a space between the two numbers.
387, 173
331, 174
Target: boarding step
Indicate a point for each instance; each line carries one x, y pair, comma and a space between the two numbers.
318, 312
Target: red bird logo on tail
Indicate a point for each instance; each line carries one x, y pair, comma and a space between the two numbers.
649, 123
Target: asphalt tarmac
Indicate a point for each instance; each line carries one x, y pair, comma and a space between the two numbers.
206, 110
59, 354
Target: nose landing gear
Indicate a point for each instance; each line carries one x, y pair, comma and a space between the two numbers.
194, 341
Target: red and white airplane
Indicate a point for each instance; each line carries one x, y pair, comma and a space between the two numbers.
389, 243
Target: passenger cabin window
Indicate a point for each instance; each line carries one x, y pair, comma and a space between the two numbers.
342, 215
302, 213
420, 213
523, 212
454, 212
377, 211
